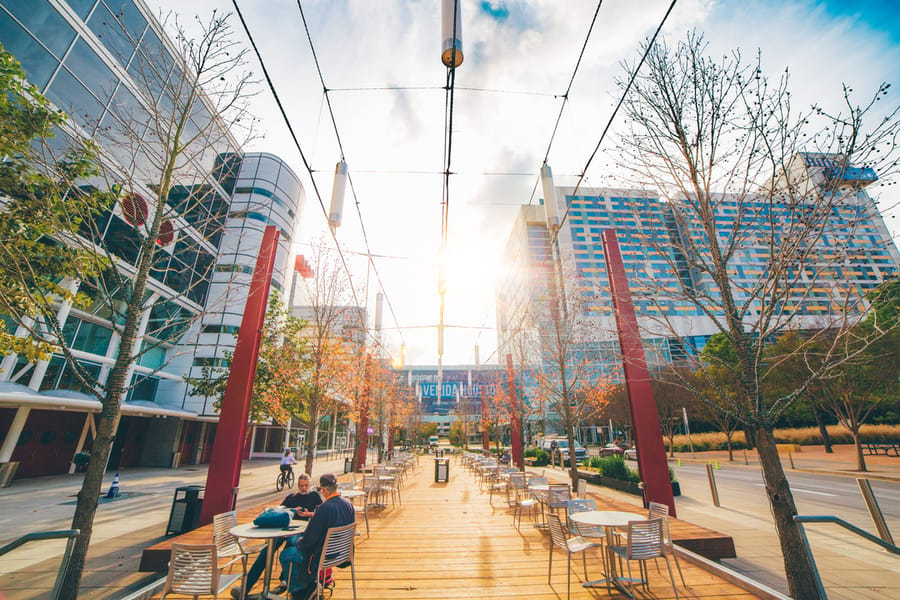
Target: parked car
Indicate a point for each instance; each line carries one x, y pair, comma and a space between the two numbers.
610, 450
631, 453
561, 449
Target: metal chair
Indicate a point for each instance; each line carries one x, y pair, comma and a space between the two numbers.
337, 551
582, 489
558, 497
194, 570
559, 538
644, 540
228, 545
661, 511
388, 483
578, 505
360, 510
524, 500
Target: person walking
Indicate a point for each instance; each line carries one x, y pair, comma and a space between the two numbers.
302, 559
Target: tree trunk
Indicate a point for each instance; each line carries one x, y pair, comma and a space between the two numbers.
730, 449
797, 563
311, 444
823, 430
860, 459
748, 437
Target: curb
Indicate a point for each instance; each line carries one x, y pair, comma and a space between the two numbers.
742, 581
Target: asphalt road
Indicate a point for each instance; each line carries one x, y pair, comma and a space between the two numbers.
850, 566
815, 494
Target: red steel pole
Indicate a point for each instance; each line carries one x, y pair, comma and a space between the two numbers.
224, 472
514, 422
648, 439
485, 440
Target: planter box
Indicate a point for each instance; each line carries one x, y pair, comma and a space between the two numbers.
618, 484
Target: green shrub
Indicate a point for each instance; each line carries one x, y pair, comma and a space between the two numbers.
541, 457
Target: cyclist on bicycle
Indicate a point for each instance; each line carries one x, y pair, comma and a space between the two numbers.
287, 460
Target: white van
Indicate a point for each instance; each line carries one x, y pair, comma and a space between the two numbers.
433, 441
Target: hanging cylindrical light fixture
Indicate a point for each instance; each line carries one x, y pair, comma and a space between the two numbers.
549, 196
336, 214
379, 310
451, 23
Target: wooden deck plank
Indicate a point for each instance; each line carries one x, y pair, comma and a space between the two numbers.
447, 541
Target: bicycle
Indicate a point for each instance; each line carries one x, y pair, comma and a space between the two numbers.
285, 479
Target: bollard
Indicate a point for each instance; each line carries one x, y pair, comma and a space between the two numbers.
746, 462
712, 484
678, 462
716, 464
791, 458
114, 488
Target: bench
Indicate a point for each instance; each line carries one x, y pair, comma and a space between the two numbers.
888, 449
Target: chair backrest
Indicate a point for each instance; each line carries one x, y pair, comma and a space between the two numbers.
661, 511
337, 549
582, 488
193, 570
537, 481
226, 544
371, 483
577, 505
345, 485
557, 533
645, 539
517, 480
559, 495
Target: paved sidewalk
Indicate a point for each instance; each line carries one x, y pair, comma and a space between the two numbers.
125, 526
122, 528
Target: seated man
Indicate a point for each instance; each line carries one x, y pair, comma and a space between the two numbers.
302, 558
304, 503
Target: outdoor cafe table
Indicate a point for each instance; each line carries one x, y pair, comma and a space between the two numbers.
609, 520
270, 534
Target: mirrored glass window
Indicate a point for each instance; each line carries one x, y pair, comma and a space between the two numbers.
43, 22
91, 70
36, 61
82, 7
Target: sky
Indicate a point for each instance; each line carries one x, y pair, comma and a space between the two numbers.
519, 56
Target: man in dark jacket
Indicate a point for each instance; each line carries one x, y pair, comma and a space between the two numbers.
303, 502
302, 559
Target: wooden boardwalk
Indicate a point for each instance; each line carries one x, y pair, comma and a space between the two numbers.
449, 541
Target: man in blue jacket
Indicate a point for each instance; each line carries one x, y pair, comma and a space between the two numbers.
302, 560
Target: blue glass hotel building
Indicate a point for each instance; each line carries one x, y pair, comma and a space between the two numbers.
854, 255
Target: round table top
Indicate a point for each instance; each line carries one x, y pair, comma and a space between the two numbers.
352, 493
251, 531
606, 518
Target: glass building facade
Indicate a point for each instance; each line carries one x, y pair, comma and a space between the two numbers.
109, 65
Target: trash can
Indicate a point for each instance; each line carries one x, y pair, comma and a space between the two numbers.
348, 465
441, 470
186, 505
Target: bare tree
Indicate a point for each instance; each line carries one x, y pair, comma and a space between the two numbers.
748, 176
569, 381
671, 398
171, 131
333, 335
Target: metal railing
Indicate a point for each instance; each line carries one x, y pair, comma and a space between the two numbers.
67, 534
801, 519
